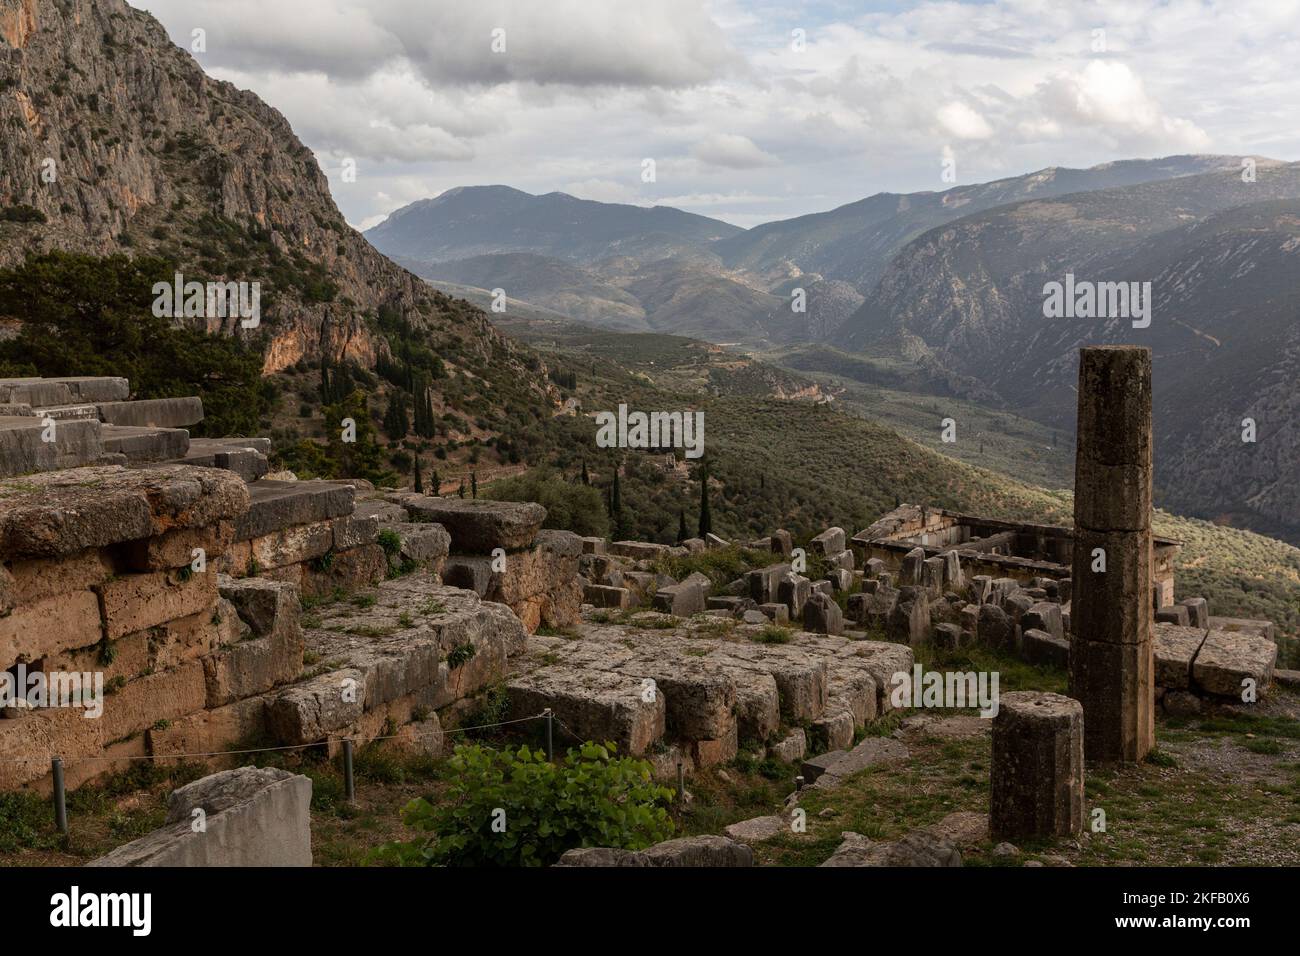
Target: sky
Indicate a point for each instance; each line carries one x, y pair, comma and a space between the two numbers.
750, 110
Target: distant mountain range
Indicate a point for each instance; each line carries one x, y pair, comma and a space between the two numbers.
950, 285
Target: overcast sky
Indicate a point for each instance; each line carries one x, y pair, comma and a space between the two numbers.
746, 119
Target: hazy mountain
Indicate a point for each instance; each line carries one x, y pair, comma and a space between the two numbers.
1222, 258
856, 241
482, 220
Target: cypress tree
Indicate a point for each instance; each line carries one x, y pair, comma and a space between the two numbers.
682, 534
706, 519
435, 483
586, 480
461, 491
473, 482
419, 485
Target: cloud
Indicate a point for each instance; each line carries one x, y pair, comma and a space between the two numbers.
731, 151
963, 122
587, 88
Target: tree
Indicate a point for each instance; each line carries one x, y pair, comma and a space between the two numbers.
706, 519
435, 483
616, 506
419, 485
91, 315
586, 479
461, 491
473, 482
682, 533
396, 424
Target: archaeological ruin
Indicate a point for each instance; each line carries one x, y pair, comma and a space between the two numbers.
227, 610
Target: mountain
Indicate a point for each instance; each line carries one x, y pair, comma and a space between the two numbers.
1222, 258
855, 242
117, 141
481, 220
542, 281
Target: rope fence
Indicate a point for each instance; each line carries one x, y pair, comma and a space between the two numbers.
349, 780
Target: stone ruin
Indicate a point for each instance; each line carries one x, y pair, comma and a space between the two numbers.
176, 571
325, 610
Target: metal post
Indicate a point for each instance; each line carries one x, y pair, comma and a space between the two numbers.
60, 798
349, 784
550, 734
798, 783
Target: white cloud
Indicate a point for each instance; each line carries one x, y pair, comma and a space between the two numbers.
587, 88
731, 151
963, 122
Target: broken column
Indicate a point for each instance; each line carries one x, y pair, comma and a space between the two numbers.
1036, 779
1111, 666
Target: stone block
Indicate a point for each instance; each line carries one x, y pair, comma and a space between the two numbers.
153, 412
595, 705
1040, 647
821, 615
253, 817
48, 626
161, 696
1227, 660
1116, 684
135, 602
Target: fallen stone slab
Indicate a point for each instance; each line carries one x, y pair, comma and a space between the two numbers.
1227, 661
1042, 648
600, 595
638, 550
790, 749
915, 849
706, 851
830, 769
480, 526
153, 412
250, 463
252, 817
94, 388
758, 829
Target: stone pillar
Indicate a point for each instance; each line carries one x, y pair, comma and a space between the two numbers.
1111, 666
1036, 778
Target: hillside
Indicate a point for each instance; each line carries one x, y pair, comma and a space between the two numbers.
1220, 255
152, 157
855, 242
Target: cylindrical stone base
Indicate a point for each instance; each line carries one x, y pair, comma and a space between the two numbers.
1036, 780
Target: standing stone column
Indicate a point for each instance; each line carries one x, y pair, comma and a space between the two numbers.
1111, 667
1036, 779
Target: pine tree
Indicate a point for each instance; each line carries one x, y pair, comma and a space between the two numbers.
396, 424
419, 485
706, 519
682, 533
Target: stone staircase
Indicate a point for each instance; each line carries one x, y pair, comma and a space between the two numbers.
48, 424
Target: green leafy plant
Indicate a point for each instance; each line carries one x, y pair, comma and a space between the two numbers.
514, 808
461, 654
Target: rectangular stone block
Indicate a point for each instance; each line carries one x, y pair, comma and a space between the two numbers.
46, 627
175, 548
209, 731
599, 595
595, 705
1174, 649
153, 412
145, 701
1112, 606
275, 505
41, 578
1226, 663
135, 602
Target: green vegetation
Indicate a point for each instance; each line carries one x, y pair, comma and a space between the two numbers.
514, 808
88, 315
570, 506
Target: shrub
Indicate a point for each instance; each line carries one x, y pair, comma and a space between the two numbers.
588, 798
569, 506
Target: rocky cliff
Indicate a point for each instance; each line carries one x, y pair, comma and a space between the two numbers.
115, 140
